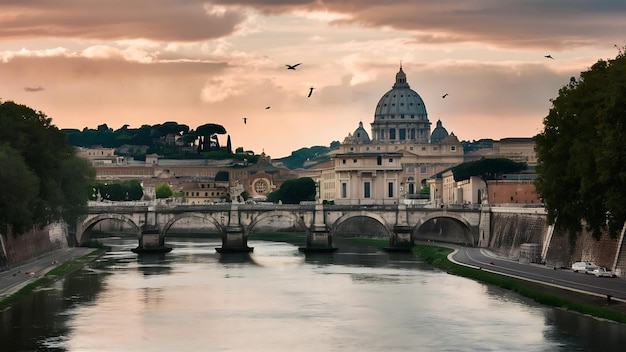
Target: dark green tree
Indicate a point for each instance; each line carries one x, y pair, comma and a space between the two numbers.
294, 191
163, 190
222, 176
62, 177
118, 191
580, 152
208, 132
487, 168
20, 190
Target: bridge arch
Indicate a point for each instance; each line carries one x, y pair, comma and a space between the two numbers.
258, 220
358, 221
82, 236
445, 227
204, 216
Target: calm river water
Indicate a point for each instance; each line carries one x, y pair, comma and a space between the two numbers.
278, 299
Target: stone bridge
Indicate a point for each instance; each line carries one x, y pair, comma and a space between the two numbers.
402, 225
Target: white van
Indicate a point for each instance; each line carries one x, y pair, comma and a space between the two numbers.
585, 267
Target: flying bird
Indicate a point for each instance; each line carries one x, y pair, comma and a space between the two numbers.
310, 92
267, 107
549, 57
445, 95
245, 120
293, 67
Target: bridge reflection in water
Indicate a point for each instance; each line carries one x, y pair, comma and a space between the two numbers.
402, 225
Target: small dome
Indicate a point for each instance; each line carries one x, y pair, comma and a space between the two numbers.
360, 134
439, 133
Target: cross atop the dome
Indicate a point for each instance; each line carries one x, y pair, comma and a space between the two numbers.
400, 79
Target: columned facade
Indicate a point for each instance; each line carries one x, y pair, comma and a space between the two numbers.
392, 166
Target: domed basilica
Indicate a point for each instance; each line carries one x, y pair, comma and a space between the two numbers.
402, 154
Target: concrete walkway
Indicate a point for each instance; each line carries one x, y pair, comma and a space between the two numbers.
14, 279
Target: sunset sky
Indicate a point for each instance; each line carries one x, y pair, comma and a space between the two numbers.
88, 62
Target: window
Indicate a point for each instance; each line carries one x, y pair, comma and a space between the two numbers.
423, 169
382, 135
392, 133
379, 160
344, 190
453, 148
390, 189
343, 161
366, 189
260, 187
402, 134
391, 160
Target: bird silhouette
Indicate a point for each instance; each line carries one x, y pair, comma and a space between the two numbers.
445, 95
293, 67
245, 120
310, 92
267, 107
549, 57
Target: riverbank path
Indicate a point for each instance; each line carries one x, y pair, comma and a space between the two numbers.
21, 274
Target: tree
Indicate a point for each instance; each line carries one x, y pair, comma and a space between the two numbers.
294, 191
20, 187
208, 132
581, 160
163, 190
118, 191
487, 168
62, 177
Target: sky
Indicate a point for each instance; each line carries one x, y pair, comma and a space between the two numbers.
136, 62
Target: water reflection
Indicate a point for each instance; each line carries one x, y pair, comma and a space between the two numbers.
236, 258
278, 299
153, 264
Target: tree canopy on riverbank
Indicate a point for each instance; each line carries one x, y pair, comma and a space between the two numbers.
581, 155
42, 179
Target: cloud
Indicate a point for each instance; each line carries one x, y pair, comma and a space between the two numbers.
34, 89
160, 20
558, 24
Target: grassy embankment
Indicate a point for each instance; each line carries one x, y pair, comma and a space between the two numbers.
53, 275
543, 294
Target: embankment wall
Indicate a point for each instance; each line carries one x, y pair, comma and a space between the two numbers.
32, 244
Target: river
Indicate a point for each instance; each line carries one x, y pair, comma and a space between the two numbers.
278, 299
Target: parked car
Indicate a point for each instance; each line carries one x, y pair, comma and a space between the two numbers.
585, 267
603, 272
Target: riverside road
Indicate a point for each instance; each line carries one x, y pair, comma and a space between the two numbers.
563, 278
18, 276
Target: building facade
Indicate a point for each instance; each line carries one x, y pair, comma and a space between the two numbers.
394, 164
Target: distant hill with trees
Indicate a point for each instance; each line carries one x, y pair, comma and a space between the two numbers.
170, 140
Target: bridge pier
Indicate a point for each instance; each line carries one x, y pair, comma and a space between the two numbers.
233, 239
401, 240
151, 241
318, 238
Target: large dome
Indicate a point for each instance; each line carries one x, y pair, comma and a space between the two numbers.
400, 115
400, 100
